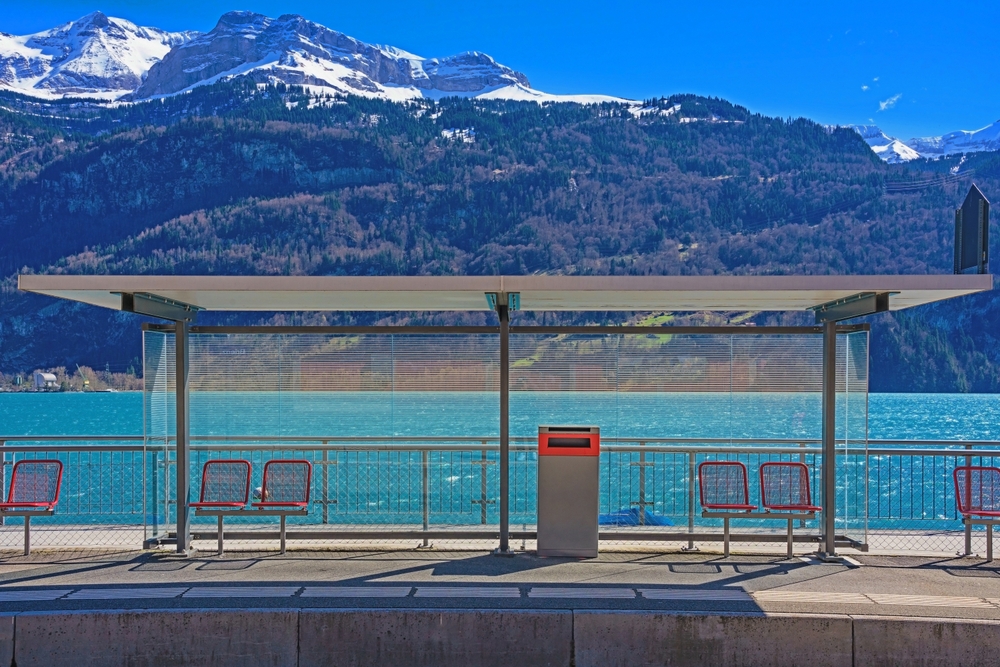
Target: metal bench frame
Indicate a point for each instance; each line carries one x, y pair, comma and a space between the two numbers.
222, 508
971, 517
741, 511
30, 509
264, 507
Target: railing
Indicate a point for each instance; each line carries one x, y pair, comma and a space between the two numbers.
116, 488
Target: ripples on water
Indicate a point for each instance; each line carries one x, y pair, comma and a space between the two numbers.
891, 416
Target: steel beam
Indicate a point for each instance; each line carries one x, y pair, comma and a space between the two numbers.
504, 313
182, 388
829, 436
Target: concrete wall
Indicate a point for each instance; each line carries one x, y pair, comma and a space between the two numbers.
604, 639
471, 638
218, 637
416, 637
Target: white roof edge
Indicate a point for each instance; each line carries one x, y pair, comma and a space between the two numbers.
465, 293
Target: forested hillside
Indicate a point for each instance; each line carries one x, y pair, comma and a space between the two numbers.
243, 179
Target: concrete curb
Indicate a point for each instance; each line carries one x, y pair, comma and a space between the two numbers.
925, 642
467, 638
606, 639
435, 638
6, 640
221, 637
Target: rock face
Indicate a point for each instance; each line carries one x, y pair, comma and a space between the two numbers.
293, 50
95, 56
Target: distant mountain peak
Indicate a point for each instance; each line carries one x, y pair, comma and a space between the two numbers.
893, 150
94, 56
110, 58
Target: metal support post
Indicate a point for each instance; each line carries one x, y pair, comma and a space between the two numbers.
504, 314
326, 483
829, 437
182, 389
642, 504
219, 553
968, 494
691, 473
27, 536
282, 533
3, 472
425, 490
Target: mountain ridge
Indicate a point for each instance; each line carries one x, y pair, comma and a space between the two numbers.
110, 59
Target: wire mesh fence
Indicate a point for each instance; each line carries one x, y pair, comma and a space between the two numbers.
369, 492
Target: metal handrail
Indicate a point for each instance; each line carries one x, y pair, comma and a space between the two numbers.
648, 444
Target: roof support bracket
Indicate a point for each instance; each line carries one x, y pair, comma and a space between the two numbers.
142, 303
858, 305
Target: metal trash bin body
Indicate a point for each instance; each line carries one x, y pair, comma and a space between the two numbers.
568, 468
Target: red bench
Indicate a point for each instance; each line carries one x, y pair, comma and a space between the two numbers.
977, 494
285, 490
225, 491
725, 494
34, 491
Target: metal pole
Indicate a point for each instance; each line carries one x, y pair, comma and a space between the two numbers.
182, 389
504, 314
968, 494
691, 462
326, 483
425, 491
829, 436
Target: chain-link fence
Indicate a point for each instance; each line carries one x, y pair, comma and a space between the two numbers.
118, 491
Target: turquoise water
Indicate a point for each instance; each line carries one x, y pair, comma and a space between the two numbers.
385, 487
891, 416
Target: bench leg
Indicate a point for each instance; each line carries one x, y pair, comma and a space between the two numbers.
989, 543
27, 535
790, 552
282, 533
725, 537
220, 536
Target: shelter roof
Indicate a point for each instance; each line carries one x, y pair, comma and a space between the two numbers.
536, 292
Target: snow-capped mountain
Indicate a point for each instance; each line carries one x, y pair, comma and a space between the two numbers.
95, 56
293, 50
891, 150
111, 59
963, 141
954, 143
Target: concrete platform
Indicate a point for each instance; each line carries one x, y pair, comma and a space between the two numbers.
473, 608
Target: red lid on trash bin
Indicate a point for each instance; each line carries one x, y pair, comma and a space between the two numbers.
569, 441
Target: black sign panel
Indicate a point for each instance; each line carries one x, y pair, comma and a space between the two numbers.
972, 233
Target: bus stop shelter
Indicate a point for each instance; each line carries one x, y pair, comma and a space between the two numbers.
833, 300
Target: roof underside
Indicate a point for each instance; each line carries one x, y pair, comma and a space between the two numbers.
537, 293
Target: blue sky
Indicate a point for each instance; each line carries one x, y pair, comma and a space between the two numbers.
914, 68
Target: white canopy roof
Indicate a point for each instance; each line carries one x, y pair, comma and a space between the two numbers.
539, 293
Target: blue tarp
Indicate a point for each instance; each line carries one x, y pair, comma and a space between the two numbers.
630, 517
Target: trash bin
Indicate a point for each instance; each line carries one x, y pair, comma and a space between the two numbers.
568, 458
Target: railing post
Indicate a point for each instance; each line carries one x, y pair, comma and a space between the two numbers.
968, 526
3, 477
691, 475
326, 483
482, 486
425, 461
642, 504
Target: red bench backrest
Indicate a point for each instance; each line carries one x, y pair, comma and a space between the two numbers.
286, 481
977, 489
722, 483
35, 481
225, 481
784, 484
